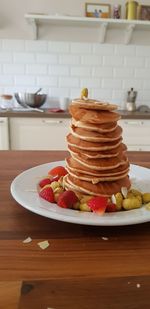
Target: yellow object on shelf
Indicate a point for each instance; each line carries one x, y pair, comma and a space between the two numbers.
131, 10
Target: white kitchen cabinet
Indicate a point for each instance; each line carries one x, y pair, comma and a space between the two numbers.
136, 134
50, 133
38, 133
4, 135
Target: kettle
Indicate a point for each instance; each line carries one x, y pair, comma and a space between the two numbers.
131, 98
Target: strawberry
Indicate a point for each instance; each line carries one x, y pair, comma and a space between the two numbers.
57, 171
55, 178
67, 199
47, 194
98, 204
111, 207
44, 182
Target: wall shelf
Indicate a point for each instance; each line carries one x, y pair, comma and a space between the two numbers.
127, 26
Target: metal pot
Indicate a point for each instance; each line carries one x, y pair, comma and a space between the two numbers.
30, 99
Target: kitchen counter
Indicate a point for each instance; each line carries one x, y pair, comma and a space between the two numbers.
83, 267
34, 114
48, 114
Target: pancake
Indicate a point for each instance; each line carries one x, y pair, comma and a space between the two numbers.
100, 164
93, 116
104, 127
93, 104
93, 136
96, 180
92, 146
73, 165
100, 189
99, 154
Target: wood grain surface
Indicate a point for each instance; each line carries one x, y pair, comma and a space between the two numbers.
79, 269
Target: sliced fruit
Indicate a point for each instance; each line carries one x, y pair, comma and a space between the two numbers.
54, 185
111, 207
47, 194
98, 204
84, 93
76, 206
85, 199
85, 207
57, 172
131, 203
44, 182
119, 200
67, 199
146, 198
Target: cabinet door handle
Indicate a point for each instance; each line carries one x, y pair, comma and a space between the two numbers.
134, 123
52, 121
2, 121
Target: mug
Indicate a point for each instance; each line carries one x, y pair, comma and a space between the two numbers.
64, 103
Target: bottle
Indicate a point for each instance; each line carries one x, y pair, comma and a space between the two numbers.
131, 10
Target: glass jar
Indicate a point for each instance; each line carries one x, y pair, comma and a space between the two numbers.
6, 101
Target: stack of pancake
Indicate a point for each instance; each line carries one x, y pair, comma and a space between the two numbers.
98, 164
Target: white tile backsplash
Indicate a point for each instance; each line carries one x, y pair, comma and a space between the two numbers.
132, 61
59, 70
47, 81
102, 71
36, 69
63, 68
111, 83
80, 71
47, 58
147, 62
123, 73
113, 61
58, 47
6, 80
13, 45
25, 58
36, 46
68, 82
13, 69
124, 50
91, 60
142, 73
69, 59
24, 80
80, 48
6, 57
103, 49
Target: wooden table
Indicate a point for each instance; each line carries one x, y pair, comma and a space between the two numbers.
80, 269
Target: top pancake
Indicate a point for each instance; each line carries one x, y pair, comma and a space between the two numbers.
93, 104
93, 116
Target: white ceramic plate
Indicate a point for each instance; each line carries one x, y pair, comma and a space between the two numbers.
23, 190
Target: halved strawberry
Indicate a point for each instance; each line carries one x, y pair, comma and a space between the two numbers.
111, 207
47, 194
67, 199
44, 182
57, 171
98, 204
